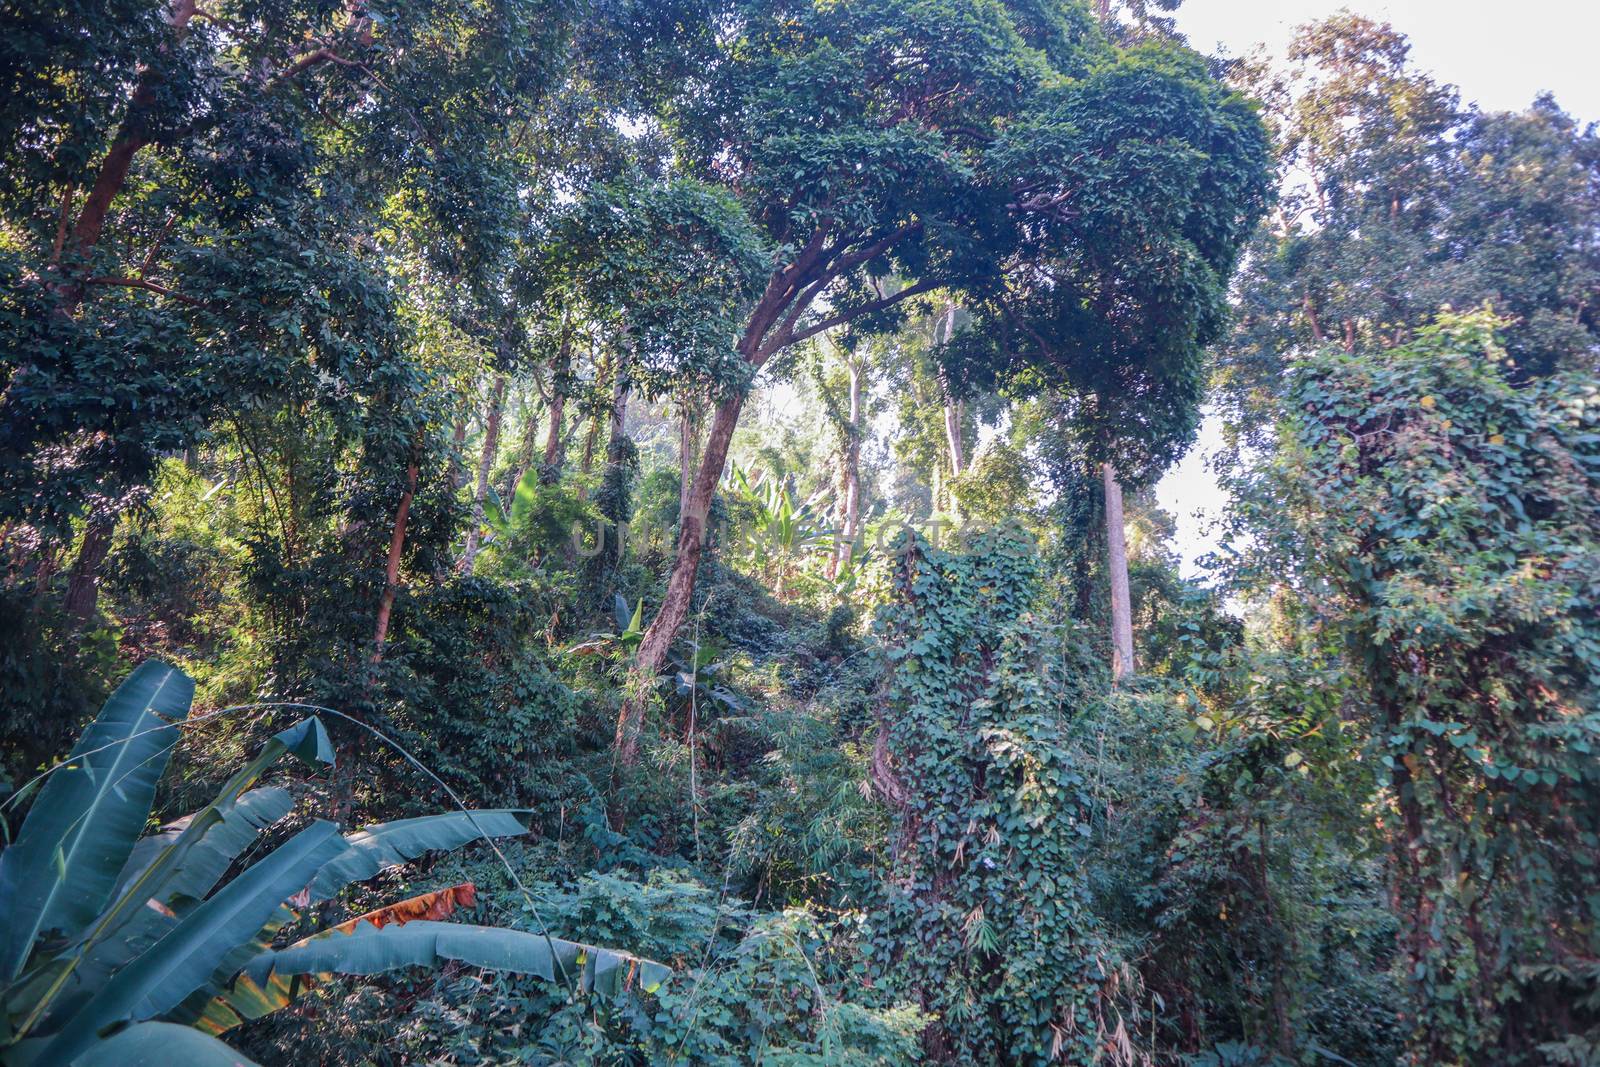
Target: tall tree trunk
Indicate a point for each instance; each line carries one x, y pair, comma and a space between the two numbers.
614, 498
952, 428
615, 505
391, 572
1122, 665
680, 587
560, 384
491, 447
620, 385
83, 580
954, 413
849, 477
774, 324
688, 452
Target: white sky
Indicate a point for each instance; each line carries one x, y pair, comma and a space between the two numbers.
1499, 54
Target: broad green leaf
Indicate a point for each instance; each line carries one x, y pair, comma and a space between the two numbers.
181, 962
494, 511
62, 869
160, 1045
156, 907
234, 999
523, 499
370, 950
307, 740
392, 843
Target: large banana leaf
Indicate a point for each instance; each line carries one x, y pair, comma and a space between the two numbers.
370, 950
62, 869
390, 843
240, 821
74, 975
166, 874
237, 999
189, 862
186, 958
160, 1045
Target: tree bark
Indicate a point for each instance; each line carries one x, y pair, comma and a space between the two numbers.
952, 431
953, 408
688, 454
850, 476
1122, 665
491, 447
83, 580
680, 587
619, 413
560, 384
391, 573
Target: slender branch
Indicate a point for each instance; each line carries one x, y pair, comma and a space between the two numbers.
61, 225
141, 283
155, 246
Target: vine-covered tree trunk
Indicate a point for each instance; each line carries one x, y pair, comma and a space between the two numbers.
491, 447
614, 498
616, 434
985, 915
1122, 665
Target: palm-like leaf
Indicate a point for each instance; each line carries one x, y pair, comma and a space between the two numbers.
159, 1045
63, 868
186, 958
392, 843
238, 999
371, 950
73, 978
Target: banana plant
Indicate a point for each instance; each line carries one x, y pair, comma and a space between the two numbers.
630, 631
699, 679
500, 520
117, 948
784, 532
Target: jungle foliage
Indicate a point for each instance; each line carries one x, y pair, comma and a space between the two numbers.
665, 447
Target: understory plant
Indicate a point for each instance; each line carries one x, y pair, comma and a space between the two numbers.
122, 948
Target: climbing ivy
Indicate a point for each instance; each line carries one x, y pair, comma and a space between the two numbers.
984, 913
1447, 518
